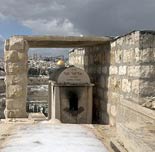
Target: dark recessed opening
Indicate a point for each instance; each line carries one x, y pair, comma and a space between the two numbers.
73, 101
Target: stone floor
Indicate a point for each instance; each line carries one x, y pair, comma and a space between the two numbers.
47, 137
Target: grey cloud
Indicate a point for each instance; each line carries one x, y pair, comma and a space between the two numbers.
75, 17
1, 45
91, 17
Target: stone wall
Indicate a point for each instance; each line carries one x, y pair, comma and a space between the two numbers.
96, 64
123, 69
132, 69
76, 57
16, 66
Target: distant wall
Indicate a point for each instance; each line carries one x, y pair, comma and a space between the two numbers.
37, 89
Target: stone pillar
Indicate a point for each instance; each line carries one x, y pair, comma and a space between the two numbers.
16, 56
49, 100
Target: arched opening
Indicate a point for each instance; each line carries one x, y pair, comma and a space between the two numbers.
73, 101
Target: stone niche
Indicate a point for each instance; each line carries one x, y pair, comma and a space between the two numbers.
70, 98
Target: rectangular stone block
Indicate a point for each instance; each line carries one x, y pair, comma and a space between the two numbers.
113, 70
122, 70
118, 56
136, 86
126, 85
128, 56
134, 71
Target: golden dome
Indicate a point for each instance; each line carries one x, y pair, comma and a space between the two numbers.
61, 63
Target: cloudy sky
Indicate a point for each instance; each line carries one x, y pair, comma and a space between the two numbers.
74, 17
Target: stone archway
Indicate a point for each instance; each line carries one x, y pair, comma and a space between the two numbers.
16, 56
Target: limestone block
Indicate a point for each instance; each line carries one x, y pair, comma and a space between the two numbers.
108, 107
114, 83
135, 86
112, 57
113, 97
153, 105
22, 56
15, 103
122, 70
14, 68
113, 44
147, 88
16, 56
112, 121
118, 56
134, 71
136, 36
145, 55
16, 79
113, 70
128, 56
18, 43
113, 110
147, 71
15, 91
126, 85
16, 113
11, 56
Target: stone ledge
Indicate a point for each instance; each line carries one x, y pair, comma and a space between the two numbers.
137, 108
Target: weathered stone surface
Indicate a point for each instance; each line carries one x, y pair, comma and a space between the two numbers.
16, 113
14, 68
118, 56
16, 79
145, 55
147, 88
11, 56
113, 70
126, 85
113, 110
135, 86
112, 57
17, 43
147, 71
15, 91
128, 56
122, 70
134, 71
15, 104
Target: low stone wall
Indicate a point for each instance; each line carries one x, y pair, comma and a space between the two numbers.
135, 127
132, 70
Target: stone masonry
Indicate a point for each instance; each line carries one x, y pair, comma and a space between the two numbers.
123, 69
16, 77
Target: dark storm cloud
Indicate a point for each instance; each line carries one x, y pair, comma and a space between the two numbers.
76, 17
92, 17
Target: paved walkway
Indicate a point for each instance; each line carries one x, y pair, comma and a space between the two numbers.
45, 137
